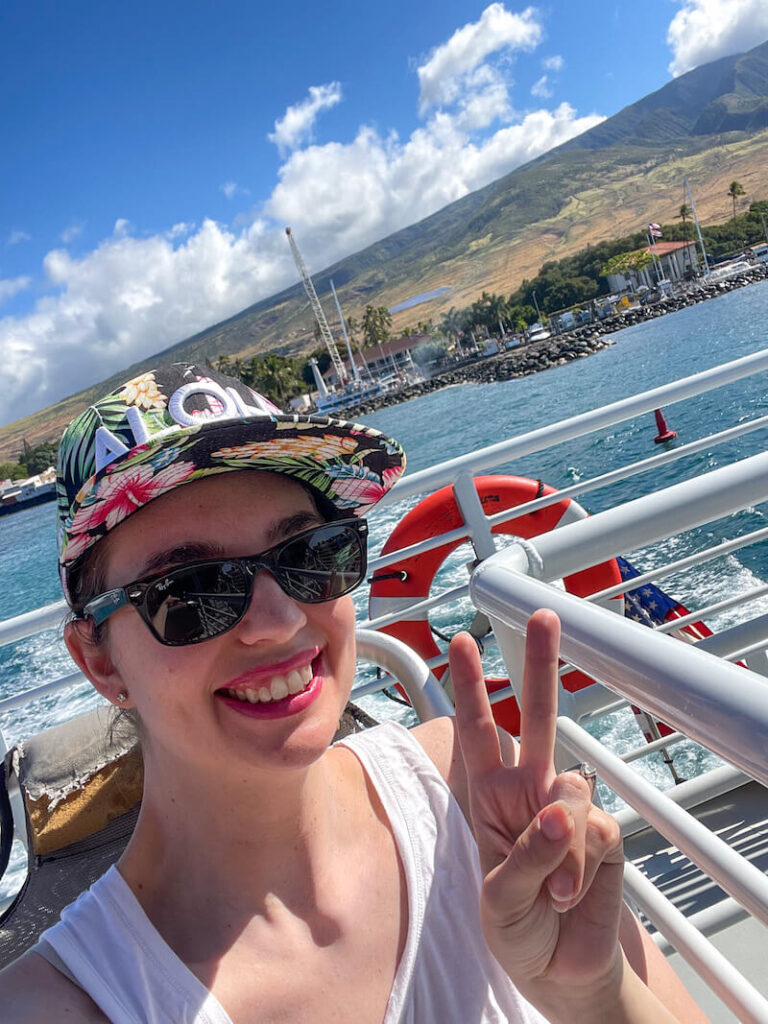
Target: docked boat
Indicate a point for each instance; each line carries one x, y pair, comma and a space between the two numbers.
688, 791
725, 271
353, 393
20, 494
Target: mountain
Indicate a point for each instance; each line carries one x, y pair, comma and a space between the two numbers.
710, 124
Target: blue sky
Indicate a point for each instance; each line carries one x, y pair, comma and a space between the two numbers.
153, 152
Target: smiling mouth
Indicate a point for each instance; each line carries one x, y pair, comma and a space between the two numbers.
271, 690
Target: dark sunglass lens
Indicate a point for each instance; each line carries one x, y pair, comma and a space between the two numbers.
197, 603
322, 565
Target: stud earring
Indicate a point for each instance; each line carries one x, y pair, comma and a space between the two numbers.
122, 696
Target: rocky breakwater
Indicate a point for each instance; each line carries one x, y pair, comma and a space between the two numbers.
519, 362
559, 349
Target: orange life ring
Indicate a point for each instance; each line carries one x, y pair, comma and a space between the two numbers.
402, 584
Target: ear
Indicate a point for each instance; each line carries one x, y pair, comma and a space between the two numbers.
92, 657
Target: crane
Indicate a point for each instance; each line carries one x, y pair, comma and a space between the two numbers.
317, 309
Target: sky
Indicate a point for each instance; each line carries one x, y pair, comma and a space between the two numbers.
152, 153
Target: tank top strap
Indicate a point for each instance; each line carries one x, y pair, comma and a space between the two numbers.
112, 950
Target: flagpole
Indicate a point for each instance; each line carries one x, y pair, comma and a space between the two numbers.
652, 247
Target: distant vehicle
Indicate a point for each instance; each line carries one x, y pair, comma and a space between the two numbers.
538, 332
491, 348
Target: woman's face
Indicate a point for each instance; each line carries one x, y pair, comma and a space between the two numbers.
194, 699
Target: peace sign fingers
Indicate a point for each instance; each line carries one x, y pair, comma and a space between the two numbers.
538, 718
477, 730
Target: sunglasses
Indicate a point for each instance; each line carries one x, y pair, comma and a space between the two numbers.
201, 600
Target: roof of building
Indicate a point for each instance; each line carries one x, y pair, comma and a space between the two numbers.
665, 248
384, 350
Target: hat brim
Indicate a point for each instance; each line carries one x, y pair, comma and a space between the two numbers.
349, 465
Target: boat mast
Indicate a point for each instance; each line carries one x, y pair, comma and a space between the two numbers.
317, 309
352, 363
698, 228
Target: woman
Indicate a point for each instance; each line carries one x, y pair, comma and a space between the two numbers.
207, 547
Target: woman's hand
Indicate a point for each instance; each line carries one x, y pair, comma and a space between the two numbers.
552, 862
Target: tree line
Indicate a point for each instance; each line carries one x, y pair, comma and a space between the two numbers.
33, 460
583, 276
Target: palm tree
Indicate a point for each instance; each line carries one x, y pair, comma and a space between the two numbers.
683, 215
735, 189
376, 323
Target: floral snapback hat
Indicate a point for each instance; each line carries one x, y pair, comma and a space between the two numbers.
181, 423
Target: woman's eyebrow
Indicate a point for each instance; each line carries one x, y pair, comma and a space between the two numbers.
193, 552
293, 524
180, 554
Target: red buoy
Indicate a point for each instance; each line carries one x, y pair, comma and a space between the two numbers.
664, 434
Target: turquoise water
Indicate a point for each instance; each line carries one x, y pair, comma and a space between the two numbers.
460, 419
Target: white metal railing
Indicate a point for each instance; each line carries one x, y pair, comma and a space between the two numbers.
724, 707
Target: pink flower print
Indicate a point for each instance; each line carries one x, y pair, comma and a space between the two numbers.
123, 493
76, 546
390, 476
355, 485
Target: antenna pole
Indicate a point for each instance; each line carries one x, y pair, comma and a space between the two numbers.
698, 229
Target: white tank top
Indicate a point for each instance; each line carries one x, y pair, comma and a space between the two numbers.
446, 973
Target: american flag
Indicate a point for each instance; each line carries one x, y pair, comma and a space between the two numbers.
654, 230
649, 605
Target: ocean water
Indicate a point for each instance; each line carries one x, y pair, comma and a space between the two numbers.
461, 419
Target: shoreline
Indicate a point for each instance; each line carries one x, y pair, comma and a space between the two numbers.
554, 351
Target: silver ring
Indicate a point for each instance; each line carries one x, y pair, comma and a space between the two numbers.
586, 771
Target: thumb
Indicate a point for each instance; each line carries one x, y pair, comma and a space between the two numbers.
513, 887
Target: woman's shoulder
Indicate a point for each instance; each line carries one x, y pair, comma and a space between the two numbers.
33, 991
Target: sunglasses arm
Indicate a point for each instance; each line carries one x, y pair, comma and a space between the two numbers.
106, 604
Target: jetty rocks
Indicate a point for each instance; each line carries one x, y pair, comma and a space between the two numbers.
557, 349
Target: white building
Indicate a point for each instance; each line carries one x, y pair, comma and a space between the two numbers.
672, 261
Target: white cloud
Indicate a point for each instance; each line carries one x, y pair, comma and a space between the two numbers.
555, 63
128, 299
18, 236
541, 88
232, 189
11, 286
443, 77
133, 296
296, 124
71, 233
181, 229
346, 196
703, 30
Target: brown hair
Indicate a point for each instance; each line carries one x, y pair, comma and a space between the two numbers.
87, 579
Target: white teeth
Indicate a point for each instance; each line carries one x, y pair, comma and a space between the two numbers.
278, 687
295, 681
